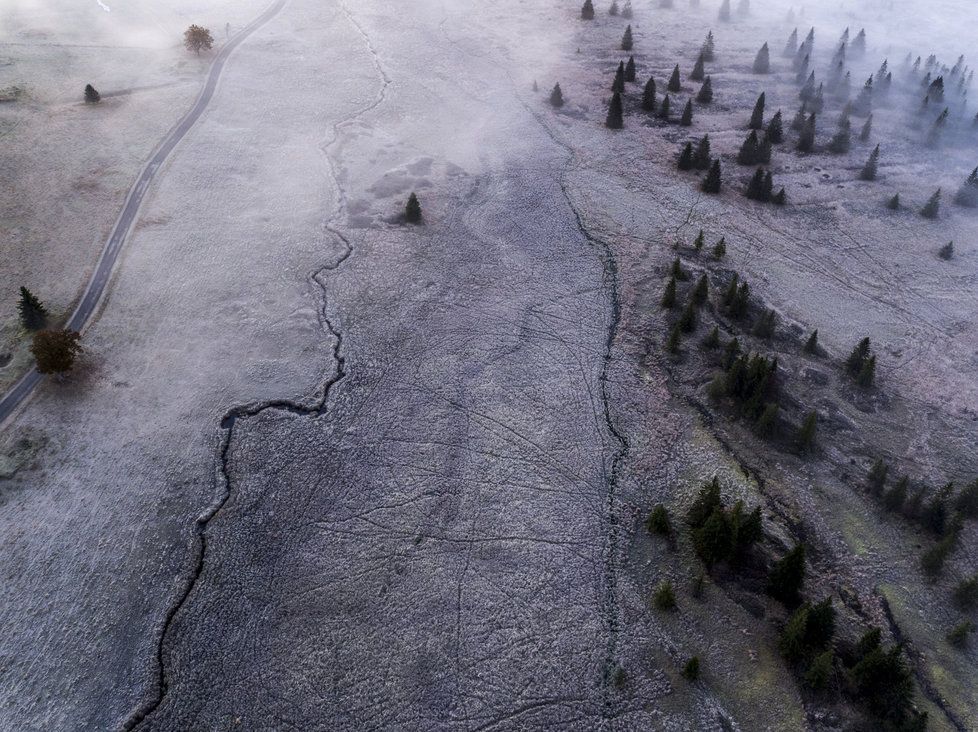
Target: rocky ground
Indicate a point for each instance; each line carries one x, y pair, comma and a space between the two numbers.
320, 469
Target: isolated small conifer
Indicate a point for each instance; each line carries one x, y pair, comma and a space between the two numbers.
648, 96
91, 95
665, 108
675, 84
630, 69
867, 129
720, 249
615, 119
701, 292
702, 159
780, 198
698, 73
687, 118
669, 296
872, 165
967, 194
686, 157
714, 179
691, 671
705, 94
854, 364
811, 345
699, 240
33, 314
724, 14
894, 203
626, 39
755, 189
557, 97
806, 433
947, 251
806, 141
618, 83
712, 340
791, 47
412, 211
757, 116
708, 51
587, 11
674, 340
775, 129
933, 206
762, 62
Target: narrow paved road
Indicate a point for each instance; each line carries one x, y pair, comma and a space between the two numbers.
123, 225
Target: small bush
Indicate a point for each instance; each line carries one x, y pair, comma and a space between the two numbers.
691, 671
665, 596
958, 637
658, 521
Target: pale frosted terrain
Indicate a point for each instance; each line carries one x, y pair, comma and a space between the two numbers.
440, 528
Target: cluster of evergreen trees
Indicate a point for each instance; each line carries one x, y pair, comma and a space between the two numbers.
722, 534
861, 364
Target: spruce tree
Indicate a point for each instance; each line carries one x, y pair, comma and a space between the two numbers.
702, 158
686, 157
791, 47
757, 116
967, 194
91, 95
412, 211
762, 62
720, 249
705, 95
691, 671
708, 51
687, 119
613, 10
618, 84
867, 373
798, 121
748, 154
701, 292
806, 433
658, 521
674, 340
698, 70
664, 108
842, 139
864, 102
806, 141
675, 85
933, 206
669, 296
780, 198
787, 576
557, 97
894, 203
626, 39
615, 119
630, 69
811, 345
872, 165
894, 498
714, 180
867, 129
775, 129
876, 479
767, 422
698, 241
648, 96
755, 189
854, 364
947, 251
724, 14
587, 11
677, 271
33, 314
712, 341
687, 321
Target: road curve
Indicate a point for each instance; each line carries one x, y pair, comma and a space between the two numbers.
123, 225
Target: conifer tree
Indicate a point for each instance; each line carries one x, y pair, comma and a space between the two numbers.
775, 129
687, 119
630, 69
412, 210
867, 129
687, 321
864, 102
933, 206
701, 292
807, 91
626, 39
665, 108
613, 10
677, 271
699, 72
867, 373
669, 296
757, 116
842, 139
91, 95
686, 157
626, 11
787, 576
709, 51
894, 498
791, 47
762, 62
854, 364
33, 314
615, 119
698, 241
755, 189
705, 95
947, 251
748, 154
658, 521
798, 122
712, 341
618, 84
720, 249
702, 158
876, 479
806, 141
811, 345
872, 165
967, 194
648, 96
587, 11
714, 180
675, 85
674, 340
894, 203
724, 14
691, 671
806, 433
857, 49
766, 423
557, 97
